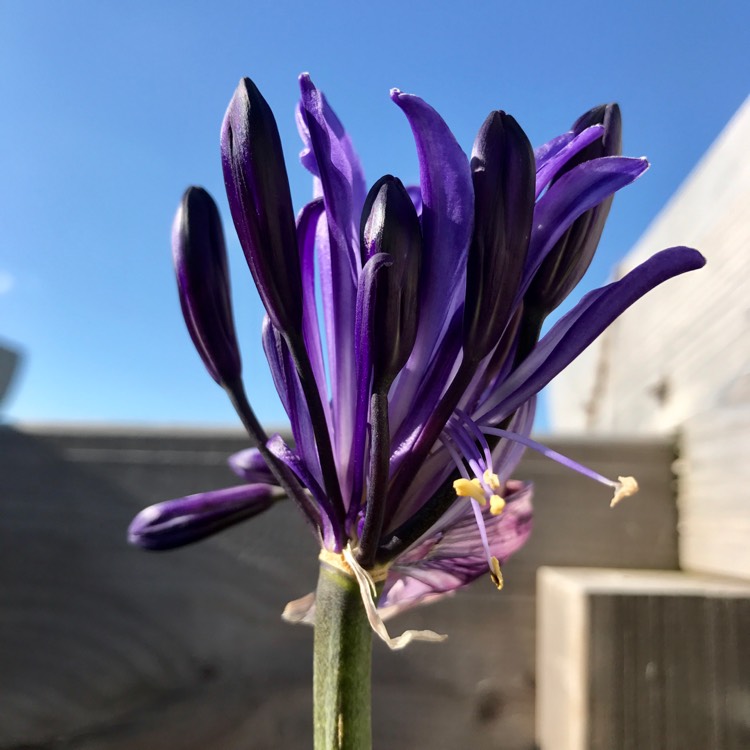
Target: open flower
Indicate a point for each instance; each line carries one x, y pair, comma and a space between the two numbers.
411, 384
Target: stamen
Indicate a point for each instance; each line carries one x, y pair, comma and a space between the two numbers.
624, 487
482, 531
476, 489
496, 574
467, 447
477, 434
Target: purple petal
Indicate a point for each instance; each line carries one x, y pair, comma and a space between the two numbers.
416, 412
289, 389
351, 165
578, 328
451, 555
338, 259
318, 509
552, 165
549, 150
178, 522
415, 193
582, 188
307, 222
447, 221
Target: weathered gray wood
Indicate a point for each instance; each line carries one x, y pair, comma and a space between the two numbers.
676, 352
634, 660
104, 647
714, 481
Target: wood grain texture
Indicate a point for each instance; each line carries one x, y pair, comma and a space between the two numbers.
105, 647
714, 497
675, 352
661, 659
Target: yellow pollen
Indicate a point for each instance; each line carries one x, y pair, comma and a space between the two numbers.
496, 574
497, 504
470, 488
491, 480
626, 487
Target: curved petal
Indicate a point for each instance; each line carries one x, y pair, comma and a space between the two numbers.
551, 148
348, 154
415, 193
287, 384
307, 223
319, 508
576, 330
447, 221
338, 259
452, 556
551, 165
175, 523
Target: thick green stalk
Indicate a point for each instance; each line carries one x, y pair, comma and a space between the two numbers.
343, 656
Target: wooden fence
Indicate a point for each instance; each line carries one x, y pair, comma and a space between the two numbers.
103, 646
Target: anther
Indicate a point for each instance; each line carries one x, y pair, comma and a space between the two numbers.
625, 487
470, 488
497, 504
496, 574
491, 480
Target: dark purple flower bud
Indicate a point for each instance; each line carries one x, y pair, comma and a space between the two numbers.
390, 225
503, 174
200, 263
567, 262
176, 523
261, 204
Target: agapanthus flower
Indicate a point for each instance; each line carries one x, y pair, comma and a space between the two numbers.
410, 385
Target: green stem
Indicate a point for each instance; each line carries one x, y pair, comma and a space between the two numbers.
343, 656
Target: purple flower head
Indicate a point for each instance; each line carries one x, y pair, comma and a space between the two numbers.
411, 383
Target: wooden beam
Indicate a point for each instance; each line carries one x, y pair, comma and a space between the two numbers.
642, 660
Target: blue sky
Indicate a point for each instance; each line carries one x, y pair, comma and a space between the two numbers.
108, 111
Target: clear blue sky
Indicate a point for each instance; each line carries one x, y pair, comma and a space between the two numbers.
109, 110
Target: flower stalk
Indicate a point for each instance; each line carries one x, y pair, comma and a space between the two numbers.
341, 664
